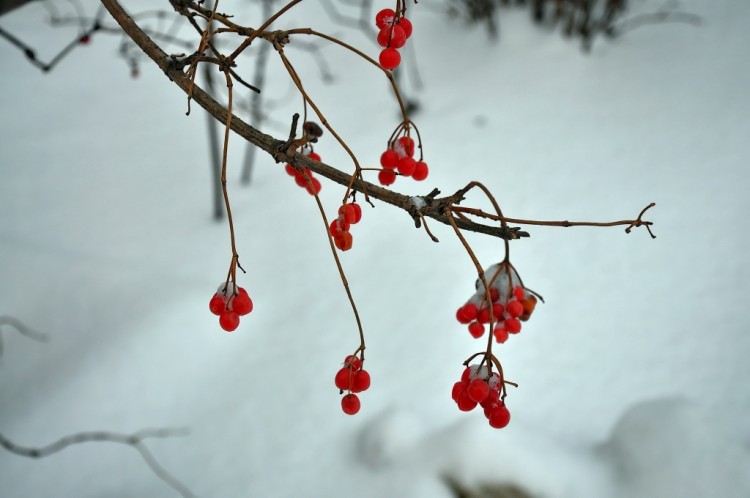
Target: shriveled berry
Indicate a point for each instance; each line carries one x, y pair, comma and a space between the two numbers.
242, 304
350, 404
343, 241
528, 308
357, 212
390, 59
338, 225
476, 330
229, 320
343, 378
361, 381
353, 362
217, 304
386, 177
348, 213
384, 18
499, 416
478, 390
389, 159
420, 171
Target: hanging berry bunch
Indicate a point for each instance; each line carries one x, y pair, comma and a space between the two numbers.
352, 379
229, 304
395, 29
399, 157
479, 385
510, 303
312, 131
349, 214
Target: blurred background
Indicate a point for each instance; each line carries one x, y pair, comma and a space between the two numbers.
633, 375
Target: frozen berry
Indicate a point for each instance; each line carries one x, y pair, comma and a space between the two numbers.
478, 390
343, 241
405, 146
353, 362
384, 18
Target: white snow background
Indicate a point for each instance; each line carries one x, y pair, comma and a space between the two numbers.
633, 377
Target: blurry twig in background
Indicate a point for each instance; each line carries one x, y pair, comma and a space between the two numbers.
21, 328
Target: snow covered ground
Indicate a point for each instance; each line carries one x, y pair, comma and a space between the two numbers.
633, 377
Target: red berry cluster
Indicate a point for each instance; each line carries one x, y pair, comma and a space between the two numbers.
399, 156
229, 306
349, 214
299, 174
480, 387
353, 379
394, 31
511, 304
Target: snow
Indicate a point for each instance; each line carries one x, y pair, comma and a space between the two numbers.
632, 376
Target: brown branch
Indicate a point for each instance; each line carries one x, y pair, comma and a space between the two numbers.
272, 146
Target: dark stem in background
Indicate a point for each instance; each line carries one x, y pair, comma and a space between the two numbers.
256, 103
213, 143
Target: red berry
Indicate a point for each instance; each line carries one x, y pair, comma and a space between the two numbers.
300, 179
420, 171
406, 166
390, 59
519, 292
361, 381
384, 18
484, 315
338, 225
353, 362
494, 294
392, 36
476, 330
217, 304
342, 378
465, 403
499, 416
462, 317
458, 388
242, 304
290, 170
406, 26
497, 311
314, 186
314, 156
478, 390
350, 404
389, 159
405, 146
229, 320
466, 375
343, 240
512, 325
501, 335
515, 308
386, 177
357, 212
348, 213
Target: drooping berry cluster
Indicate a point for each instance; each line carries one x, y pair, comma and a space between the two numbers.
480, 387
352, 379
394, 31
349, 214
399, 157
229, 304
511, 304
299, 173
